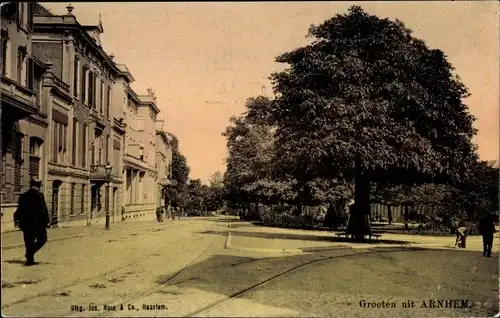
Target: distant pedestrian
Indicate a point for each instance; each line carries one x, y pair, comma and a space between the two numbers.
486, 228
461, 233
159, 214
33, 219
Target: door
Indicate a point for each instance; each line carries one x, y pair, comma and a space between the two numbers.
55, 201
94, 198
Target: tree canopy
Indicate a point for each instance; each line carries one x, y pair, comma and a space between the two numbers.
366, 101
180, 173
366, 95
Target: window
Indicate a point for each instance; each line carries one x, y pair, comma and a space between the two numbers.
83, 85
91, 90
72, 199
108, 102
34, 160
107, 150
101, 97
20, 65
11, 163
5, 41
54, 141
31, 9
99, 158
82, 200
76, 67
92, 154
59, 142
74, 142
20, 17
84, 145
116, 159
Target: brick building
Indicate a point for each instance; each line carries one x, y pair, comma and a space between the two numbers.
68, 112
163, 163
81, 130
24, 119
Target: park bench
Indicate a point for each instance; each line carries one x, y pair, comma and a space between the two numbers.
368, 232
370, 235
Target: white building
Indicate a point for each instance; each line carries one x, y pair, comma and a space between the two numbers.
138, 113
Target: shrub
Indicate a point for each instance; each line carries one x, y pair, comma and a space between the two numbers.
277, 216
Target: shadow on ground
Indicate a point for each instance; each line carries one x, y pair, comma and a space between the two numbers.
215, 263
23, 262
337, 285
302, 237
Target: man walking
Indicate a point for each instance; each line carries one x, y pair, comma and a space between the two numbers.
487, 229
33, 219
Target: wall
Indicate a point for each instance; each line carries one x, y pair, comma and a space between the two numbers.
50, 52
17, 37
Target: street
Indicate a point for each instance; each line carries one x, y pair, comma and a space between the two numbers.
216, 267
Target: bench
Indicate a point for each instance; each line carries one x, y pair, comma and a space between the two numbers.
370, 235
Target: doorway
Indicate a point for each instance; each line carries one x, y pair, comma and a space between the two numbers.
56, 185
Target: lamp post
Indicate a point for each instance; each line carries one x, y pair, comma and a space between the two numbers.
107, 169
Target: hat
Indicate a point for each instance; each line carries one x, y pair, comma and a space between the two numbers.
35, 182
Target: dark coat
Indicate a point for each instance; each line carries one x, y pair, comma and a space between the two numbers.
486, 225
31, 210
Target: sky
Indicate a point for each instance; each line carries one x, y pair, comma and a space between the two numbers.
205, 59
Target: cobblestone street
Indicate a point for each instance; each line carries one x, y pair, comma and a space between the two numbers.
191, 268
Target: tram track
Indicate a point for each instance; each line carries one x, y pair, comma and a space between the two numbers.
281, 274
174, 279
90, 278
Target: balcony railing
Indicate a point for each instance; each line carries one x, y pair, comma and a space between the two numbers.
18, 92
60, 84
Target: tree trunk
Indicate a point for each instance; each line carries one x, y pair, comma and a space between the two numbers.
389, 214
406, 215
256, 217
299, 209
361, 206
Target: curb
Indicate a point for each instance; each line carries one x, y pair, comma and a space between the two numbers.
11, 246
229, 246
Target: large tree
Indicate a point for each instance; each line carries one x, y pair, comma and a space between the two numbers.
180, 174
250, 156
366, 101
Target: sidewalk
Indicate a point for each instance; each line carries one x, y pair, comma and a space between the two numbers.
292, 241
101, 267
14, 239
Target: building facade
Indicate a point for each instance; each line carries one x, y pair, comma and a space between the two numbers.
138, 115
163, 164
80, 123
24, 119
68, 115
